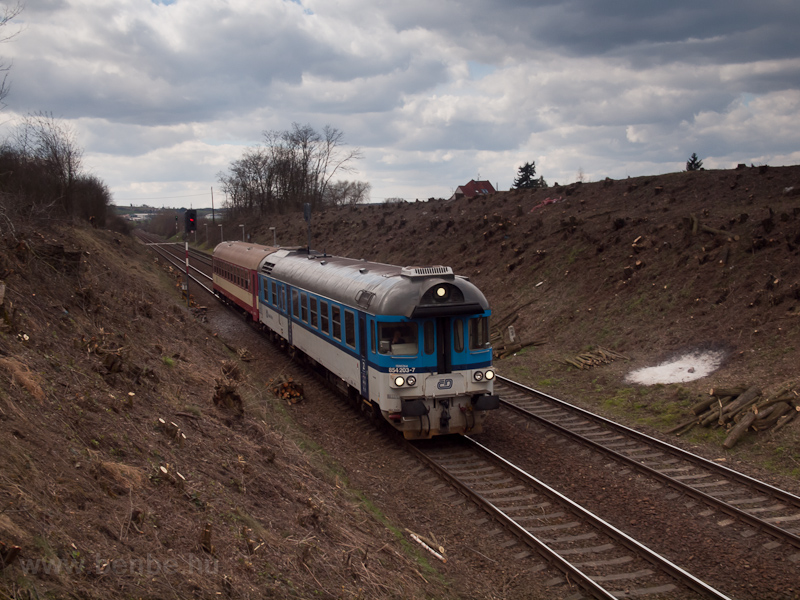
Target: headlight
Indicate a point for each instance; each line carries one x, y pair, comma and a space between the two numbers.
441, 292
489, 375
399, 381
411, 380
477, 375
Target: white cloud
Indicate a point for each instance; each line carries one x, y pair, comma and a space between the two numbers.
165, 95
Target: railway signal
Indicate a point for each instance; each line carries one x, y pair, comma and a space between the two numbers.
191, 220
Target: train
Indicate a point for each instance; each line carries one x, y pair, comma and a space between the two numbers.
409, 345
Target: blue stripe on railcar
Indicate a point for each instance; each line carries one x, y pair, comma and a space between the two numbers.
315, 314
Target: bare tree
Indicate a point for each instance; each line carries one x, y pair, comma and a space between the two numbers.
332, 158
347, 193
9, 13
53, 145
293, 167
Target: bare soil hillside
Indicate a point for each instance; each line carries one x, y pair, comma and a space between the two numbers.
651, 267
143, 455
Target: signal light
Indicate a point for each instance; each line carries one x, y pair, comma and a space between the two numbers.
191, 220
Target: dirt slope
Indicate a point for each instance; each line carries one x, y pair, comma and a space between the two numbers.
648, 266
95, 348
122, 477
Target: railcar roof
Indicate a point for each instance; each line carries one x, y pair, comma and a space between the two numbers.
376, 287
249, 256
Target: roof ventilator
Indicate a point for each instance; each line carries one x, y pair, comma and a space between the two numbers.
364, 298
415, 272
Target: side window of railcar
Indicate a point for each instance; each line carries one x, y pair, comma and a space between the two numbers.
323, 314
479, 333
295, 304
350, 328
304, 307
372, 337
274, 293
458, 335
398, 339
313, 311
337, 322
430, 338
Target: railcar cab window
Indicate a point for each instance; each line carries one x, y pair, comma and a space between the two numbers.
458, 335
479, 333
430, 338
398, 339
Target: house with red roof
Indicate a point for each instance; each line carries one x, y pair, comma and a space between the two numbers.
472, 189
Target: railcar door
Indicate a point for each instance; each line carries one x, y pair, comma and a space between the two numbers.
444, 345
362, 338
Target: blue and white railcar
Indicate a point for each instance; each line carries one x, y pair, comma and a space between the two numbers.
409, 343
412, 343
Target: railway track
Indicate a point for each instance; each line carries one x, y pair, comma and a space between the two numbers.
758, 504
175, 254
602, 560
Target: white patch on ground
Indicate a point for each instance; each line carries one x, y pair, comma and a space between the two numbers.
685, 368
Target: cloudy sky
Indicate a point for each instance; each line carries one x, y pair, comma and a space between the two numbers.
164, 94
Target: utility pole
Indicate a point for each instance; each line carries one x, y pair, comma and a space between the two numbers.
213, 219
188, 305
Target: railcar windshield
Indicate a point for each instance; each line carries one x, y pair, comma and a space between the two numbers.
398, 339
479, 333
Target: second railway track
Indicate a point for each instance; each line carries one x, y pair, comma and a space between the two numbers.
758, 504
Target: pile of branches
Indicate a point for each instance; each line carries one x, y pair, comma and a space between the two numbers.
288, 389
510, 348
600, 356
744, 408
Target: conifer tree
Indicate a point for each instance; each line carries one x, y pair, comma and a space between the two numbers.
527, 179
694, 163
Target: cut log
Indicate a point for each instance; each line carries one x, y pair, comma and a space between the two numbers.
703, 406
739, 430
711, 230
784, 420
723, 256
743, 401
785, 389
775, 412
677, 428
713, 417
763, 412
612, 353
788, 398
205, 539
734, 391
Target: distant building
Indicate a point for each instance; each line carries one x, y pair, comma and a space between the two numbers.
472, 189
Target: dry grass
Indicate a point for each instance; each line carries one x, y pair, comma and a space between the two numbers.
20, 374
